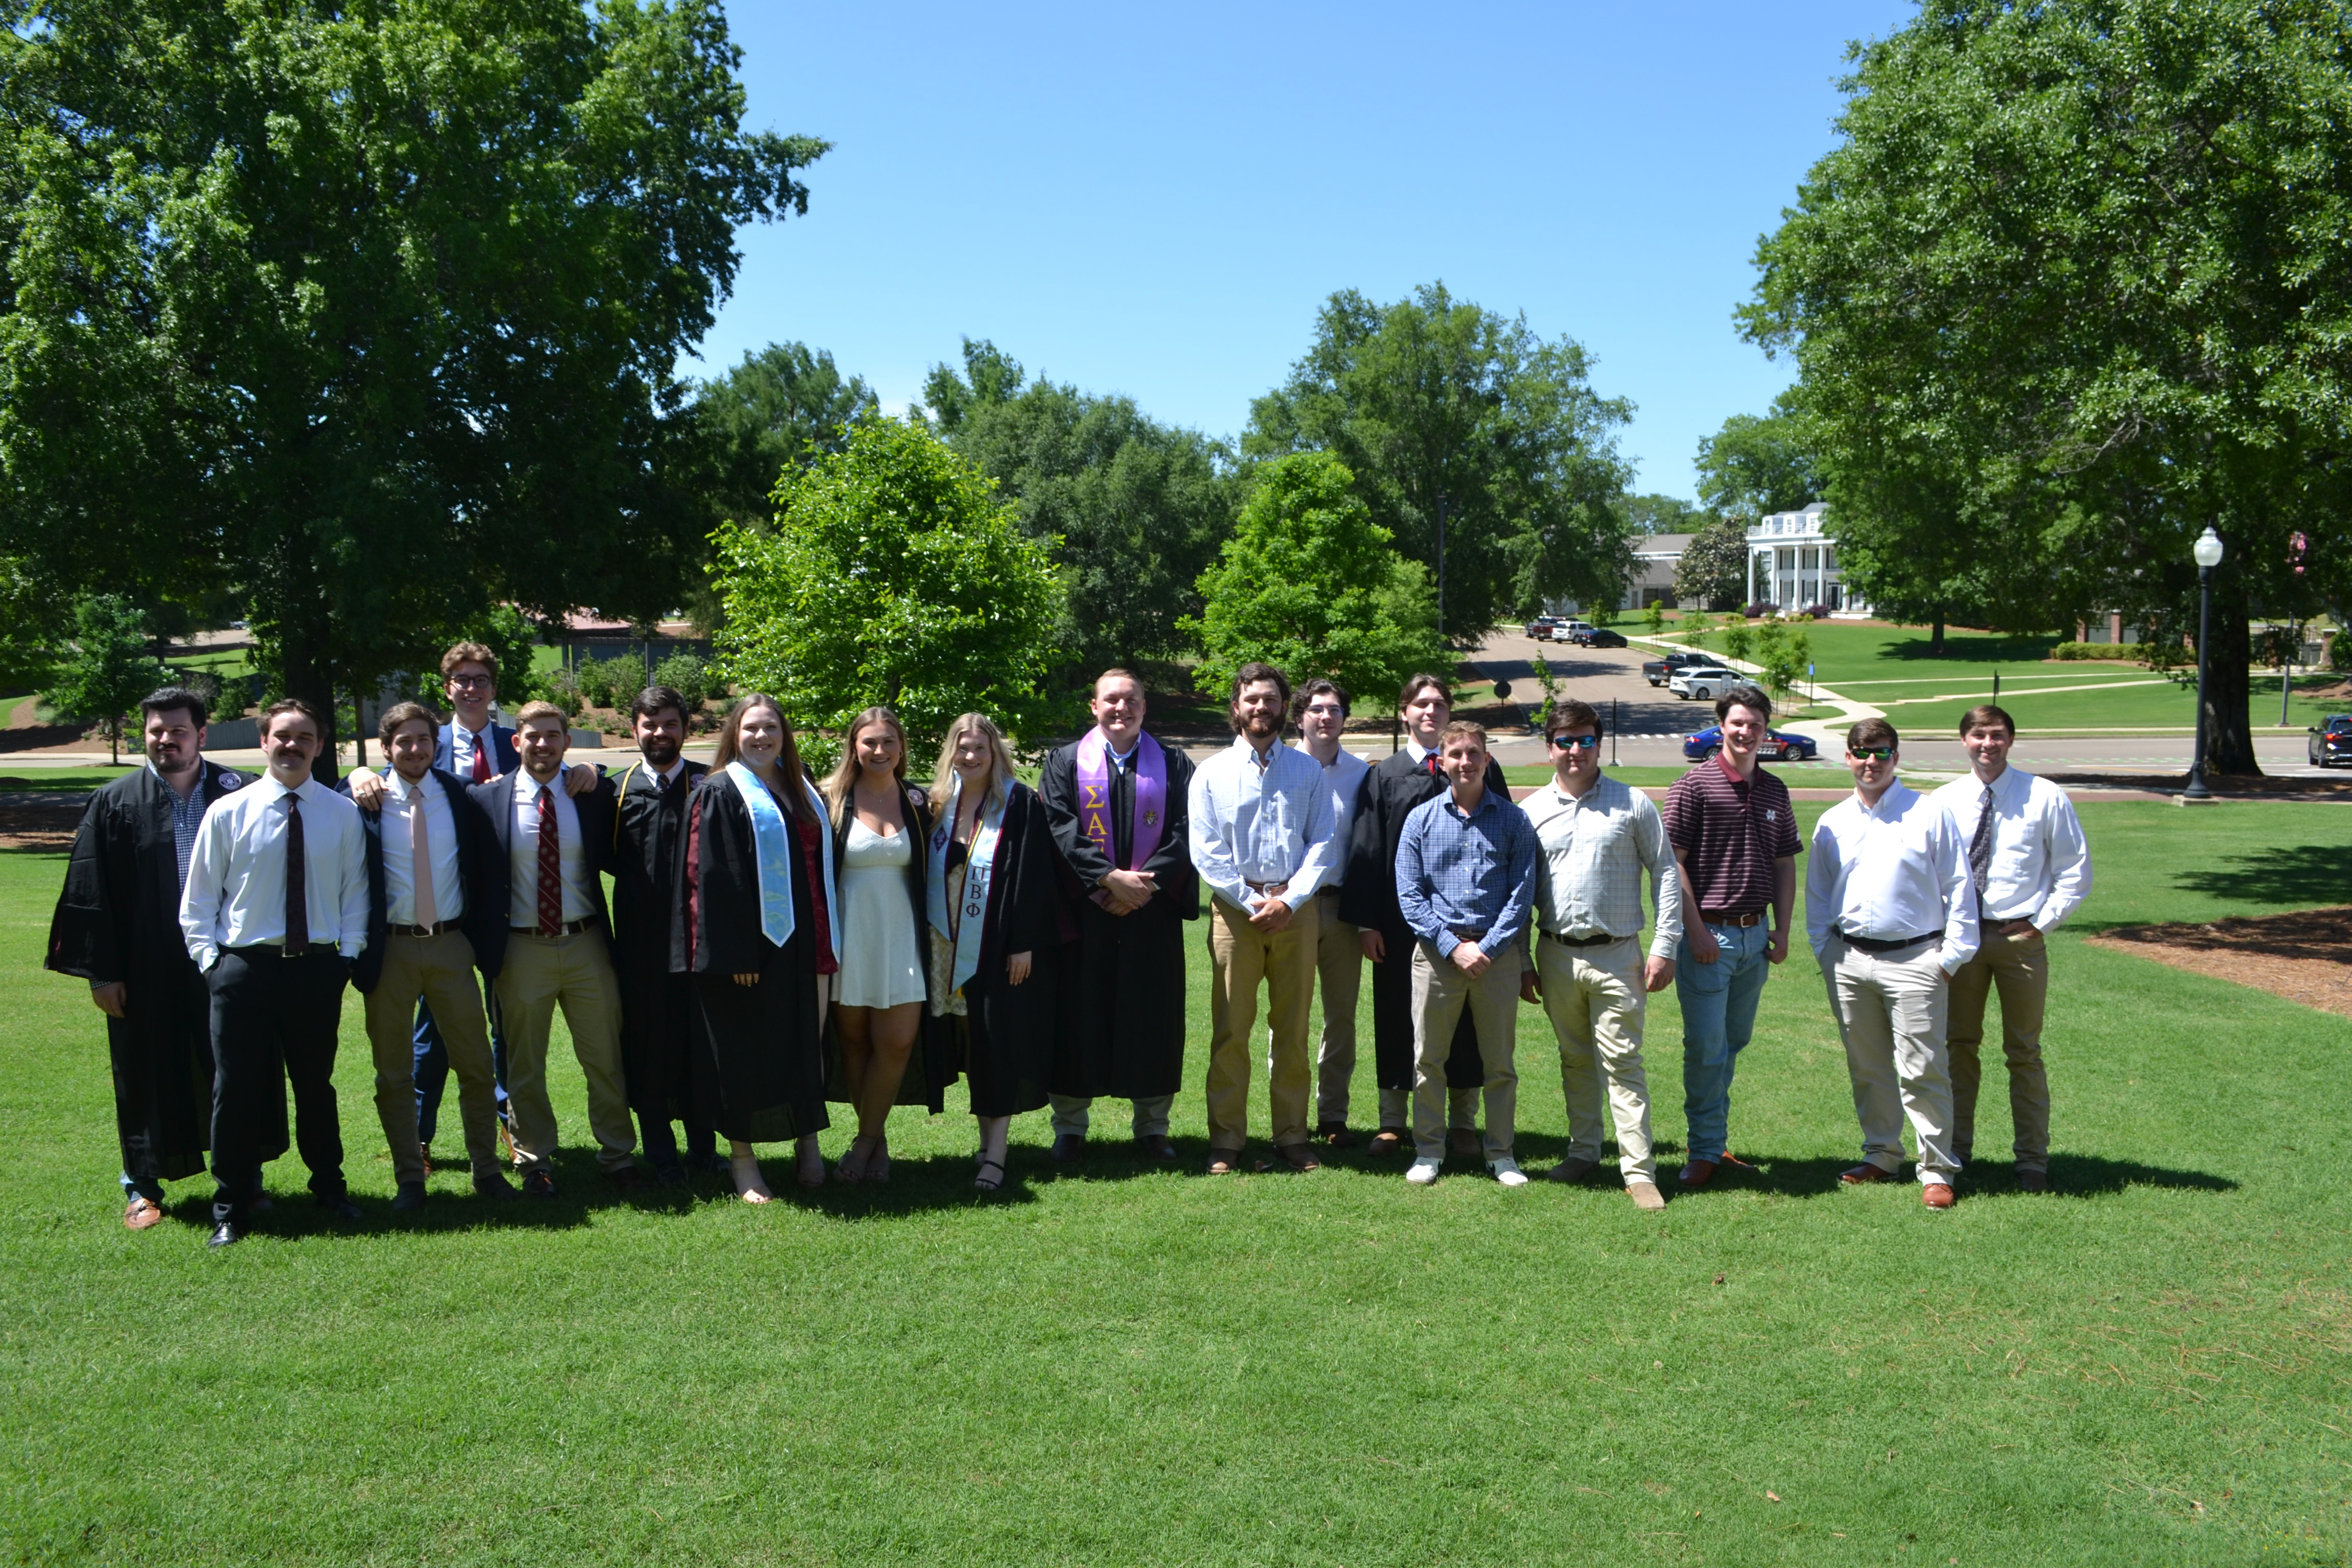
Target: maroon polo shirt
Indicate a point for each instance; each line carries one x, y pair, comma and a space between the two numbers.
1729, 831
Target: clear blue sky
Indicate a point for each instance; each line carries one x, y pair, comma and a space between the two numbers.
1154, 201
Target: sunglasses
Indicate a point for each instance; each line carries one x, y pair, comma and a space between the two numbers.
1578, 742
1876, 753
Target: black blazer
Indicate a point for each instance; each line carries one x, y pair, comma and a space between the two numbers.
475, 853
488, 917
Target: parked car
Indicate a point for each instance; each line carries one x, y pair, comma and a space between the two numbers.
1704, 682
1657, 671
1601, 636
1779, 746
2331, 741
1542, 628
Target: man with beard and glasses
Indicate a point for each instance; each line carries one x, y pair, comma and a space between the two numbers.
117, 925
1261, 839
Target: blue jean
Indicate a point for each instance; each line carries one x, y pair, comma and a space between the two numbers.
431, 1063
1718, 1002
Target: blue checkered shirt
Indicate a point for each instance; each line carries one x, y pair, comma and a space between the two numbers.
187, 816
1475, 873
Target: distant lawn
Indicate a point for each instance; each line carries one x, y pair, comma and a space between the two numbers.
75, 778
2148, 1366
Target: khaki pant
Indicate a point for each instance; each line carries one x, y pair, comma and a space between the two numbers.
1241, 957
440, 969
1440, 992
575, 971
1595, 1000
1339, 978
2019, 966
1890, 1012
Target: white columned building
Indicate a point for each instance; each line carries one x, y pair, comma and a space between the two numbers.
1792, 564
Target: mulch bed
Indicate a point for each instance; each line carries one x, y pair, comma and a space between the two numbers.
29, 825
2305, 957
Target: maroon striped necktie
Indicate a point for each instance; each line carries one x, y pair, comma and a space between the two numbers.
551, 866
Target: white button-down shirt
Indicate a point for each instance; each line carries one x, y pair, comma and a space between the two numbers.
1597, 852
402, 800
464, 744
235, 895
1890, 871
2040, 866
1261, 819
1343, 775
522, 906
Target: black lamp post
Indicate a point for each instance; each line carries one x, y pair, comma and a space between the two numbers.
2208, 553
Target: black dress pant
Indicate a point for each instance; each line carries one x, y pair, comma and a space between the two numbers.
274, 1020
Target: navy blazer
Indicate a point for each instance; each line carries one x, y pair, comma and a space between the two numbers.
488, 918
474, 852
504, 758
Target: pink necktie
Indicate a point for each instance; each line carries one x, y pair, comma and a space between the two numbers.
420, 860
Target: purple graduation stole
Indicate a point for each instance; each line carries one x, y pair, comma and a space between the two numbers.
1094, 800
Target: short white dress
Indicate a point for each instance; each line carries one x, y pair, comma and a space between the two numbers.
881, 952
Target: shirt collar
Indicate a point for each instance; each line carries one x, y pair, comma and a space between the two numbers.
527, 786
1455, 806
1249, 753
1419, 753
195, 787
670, 774
1893, 804
1723, 761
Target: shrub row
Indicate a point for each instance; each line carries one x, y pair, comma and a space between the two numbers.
2128, 652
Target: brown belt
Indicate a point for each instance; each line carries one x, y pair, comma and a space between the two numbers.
1755, 918
1274, 888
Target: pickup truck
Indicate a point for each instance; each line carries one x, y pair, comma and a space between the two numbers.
1658, 672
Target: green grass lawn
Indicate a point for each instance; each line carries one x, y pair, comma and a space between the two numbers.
77, 778
2149, 1366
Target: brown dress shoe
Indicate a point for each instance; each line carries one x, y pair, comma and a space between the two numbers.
1462, 1144
1730, 1165
1335, 1134
1069, 1148
1224, 1162
142, 1212
1299, 1157
539, 1183
1575, 1168
1155, 1147
1391, 1140
1697, 1174
1864, 1174
425, 1154
2033, 1181
1937, 1195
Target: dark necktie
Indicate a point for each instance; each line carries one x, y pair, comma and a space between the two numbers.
1981, 850
1433, 764
551, 868
1122, 811
482, 759
298, 879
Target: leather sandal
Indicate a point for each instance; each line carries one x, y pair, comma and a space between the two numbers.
851, 1166
877, 1163
986, 1183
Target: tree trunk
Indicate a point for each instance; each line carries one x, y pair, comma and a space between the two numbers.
305, 675
2228, 716
1936, 637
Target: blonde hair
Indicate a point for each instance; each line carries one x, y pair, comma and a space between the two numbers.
1000, 767
530, 713
844, 777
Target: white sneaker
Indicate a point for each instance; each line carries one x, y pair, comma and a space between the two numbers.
1507, 1170
1423, 1173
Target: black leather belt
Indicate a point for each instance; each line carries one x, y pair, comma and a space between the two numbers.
436, 928
1714, 919
569, 927
1460, 934
1874, 944
1603, 939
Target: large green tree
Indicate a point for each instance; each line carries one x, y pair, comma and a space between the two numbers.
1308, 583
1136, 509
1712, 574
1462, 425
1757, 463
2075, 284
106, 665
365, 312
787, 404
893, 574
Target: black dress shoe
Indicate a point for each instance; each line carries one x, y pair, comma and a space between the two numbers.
671, 1175
539, 1184
627, 1178
493, 1187
411, 1196
1154, 1146
225, 1234
342, 1207
1069, 1148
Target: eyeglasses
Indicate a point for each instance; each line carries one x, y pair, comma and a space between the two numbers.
1577, 743
472, 680
1873, 753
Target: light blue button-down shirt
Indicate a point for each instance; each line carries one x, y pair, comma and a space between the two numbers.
1467, 873
1265, 819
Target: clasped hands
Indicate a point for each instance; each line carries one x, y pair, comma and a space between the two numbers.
1128, 891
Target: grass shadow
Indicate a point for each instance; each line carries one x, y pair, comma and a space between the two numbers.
1970, 649
2289, 875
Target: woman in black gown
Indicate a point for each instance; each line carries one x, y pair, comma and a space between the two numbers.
996, 933
756, 930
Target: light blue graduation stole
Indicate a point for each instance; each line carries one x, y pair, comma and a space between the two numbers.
773, 854
980, 865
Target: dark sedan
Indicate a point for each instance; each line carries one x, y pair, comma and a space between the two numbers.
2331, 742
1597, 636
1779, 746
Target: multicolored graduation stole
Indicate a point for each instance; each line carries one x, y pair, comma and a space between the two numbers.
1094, 796
963, 926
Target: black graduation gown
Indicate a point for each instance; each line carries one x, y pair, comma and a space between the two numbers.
1005, 1042
1122, 1024
118, 917
766, 1082
657, 1013
1368, 899
929, 1066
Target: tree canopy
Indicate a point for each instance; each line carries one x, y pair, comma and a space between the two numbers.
365, 313
1712, 571
2075, 284
106, 668
1452, 418
1757, 464
786, 405
892, 575
1136, 509
1307, 583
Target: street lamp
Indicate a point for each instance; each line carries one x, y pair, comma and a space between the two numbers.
2208, 553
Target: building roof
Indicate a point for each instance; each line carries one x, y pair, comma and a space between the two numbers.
1672, 545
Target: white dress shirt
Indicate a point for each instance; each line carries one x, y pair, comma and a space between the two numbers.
1344, 776
464, 744
1890, 871
235, 895
522, 906
2041, 868
401, 801
1596, 850
1261, 818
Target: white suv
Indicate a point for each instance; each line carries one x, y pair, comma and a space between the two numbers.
1705, 681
